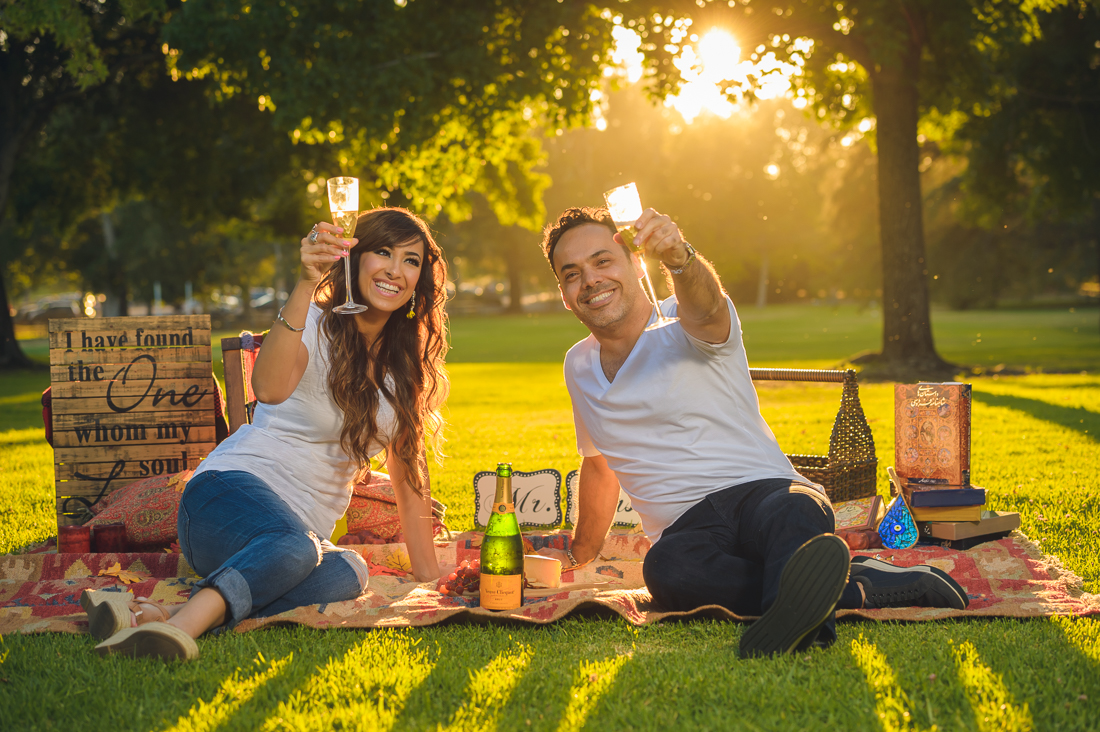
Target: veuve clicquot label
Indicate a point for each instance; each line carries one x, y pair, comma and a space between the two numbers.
502, 550
501, 592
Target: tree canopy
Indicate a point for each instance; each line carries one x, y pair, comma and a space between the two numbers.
426, 100
231, 113
906, 62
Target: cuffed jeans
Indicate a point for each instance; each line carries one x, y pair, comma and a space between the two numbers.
730, 548
247, 543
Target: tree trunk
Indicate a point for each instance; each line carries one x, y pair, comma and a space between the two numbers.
1096, 229
11, 355
762, 284
907, 345
514, 261
116, 273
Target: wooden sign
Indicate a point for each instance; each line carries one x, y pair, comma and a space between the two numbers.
131, 398
625, 517
537, 497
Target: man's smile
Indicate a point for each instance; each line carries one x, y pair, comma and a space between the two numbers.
599, 298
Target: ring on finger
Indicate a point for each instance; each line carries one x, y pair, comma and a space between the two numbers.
313, 236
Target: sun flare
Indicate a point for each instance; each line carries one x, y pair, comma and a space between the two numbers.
713, 72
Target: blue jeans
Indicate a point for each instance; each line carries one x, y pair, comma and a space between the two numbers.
247, 543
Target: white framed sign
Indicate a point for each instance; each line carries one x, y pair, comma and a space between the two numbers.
625, 515
537, 497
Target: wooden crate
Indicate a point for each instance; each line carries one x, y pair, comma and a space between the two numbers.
132, 398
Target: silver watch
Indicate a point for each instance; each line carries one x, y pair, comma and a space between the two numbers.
682, 267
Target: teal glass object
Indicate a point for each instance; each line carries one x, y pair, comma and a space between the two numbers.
897, 529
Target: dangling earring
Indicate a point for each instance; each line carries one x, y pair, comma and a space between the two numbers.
412, 308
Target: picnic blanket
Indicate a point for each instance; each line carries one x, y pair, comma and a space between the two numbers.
41, 592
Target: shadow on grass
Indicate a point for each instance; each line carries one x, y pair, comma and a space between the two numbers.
449, 681
596, 674
1079, 419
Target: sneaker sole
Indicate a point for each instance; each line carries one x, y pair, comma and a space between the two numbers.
157, 640
872, 563
809, 588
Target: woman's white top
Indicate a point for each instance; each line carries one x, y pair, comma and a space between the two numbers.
294, 447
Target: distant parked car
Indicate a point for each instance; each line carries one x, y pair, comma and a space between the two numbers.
44, 313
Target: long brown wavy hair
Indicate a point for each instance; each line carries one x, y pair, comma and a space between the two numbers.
410, 351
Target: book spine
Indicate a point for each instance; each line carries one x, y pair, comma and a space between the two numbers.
964, 433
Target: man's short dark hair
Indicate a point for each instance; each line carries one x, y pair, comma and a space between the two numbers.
571, 218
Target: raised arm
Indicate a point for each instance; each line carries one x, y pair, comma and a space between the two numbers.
700, 302
283, 357
415, 512
598, 495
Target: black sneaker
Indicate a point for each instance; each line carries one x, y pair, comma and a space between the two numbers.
820, 637
879, 564
809, 588
923, 586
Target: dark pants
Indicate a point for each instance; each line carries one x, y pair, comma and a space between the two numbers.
730, 548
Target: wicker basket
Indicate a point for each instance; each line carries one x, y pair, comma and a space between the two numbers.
849, 471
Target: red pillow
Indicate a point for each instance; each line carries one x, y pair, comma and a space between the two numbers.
373, 508
149, 508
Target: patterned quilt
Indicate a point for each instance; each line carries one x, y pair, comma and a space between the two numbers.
41, 592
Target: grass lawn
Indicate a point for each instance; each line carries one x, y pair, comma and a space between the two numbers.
1034, 448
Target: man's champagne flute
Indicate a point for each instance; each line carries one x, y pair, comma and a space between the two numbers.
626, 207
343, 202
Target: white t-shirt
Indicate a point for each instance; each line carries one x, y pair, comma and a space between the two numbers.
294, 447
680, 421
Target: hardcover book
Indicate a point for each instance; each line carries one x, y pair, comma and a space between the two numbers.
858, 515
963, 544
936, 497
992, 522
932, 433
947, 513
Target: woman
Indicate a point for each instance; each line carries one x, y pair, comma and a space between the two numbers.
334, 390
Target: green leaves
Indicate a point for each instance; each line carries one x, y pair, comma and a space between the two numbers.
77, 28
434, 99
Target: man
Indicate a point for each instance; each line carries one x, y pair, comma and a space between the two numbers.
672, 416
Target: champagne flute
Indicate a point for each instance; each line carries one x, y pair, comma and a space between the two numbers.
626, 207
343, 202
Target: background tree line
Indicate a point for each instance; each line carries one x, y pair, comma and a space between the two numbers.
943, 149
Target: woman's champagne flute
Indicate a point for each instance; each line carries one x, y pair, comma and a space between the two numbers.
343, 202
626, 207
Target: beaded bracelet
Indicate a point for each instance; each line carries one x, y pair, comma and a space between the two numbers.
288, 325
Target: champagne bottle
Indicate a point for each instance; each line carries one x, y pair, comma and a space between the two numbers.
502, 550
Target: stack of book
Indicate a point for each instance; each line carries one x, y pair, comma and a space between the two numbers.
932, 455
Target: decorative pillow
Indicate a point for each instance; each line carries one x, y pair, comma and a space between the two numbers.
373, 508
149, 509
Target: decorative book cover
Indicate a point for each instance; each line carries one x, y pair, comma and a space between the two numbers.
860, 514
932, 433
